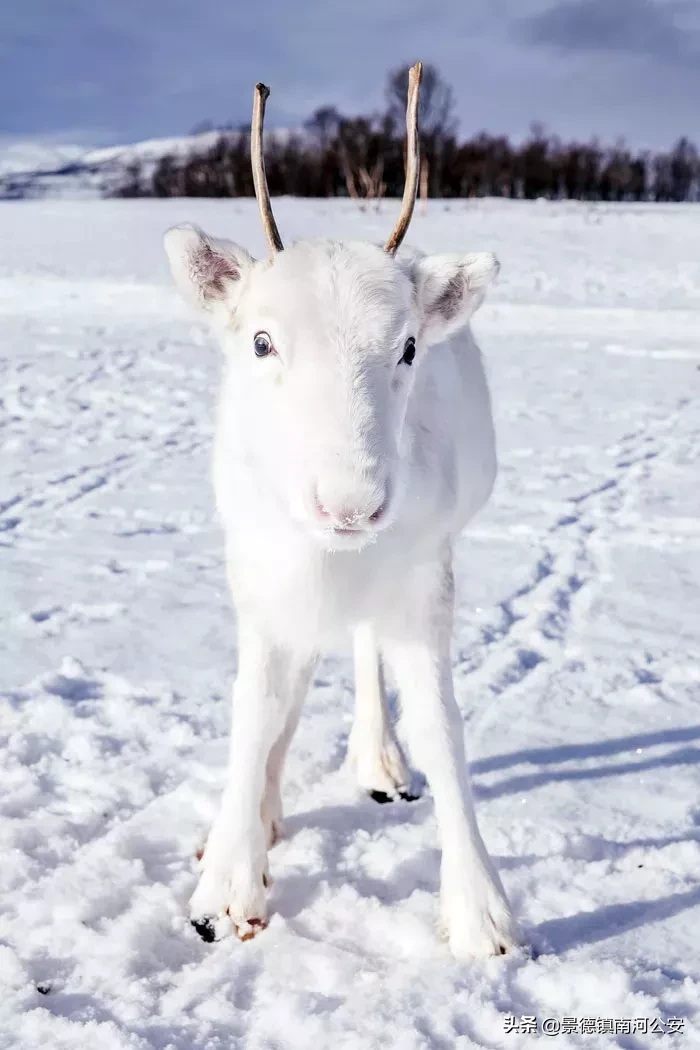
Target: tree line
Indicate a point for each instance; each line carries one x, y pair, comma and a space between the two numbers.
363, 157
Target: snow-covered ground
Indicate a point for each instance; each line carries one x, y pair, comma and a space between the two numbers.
575, 657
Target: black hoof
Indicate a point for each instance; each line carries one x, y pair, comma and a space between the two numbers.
205, 928
382, 797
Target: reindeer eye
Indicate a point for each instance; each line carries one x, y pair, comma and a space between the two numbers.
262, 344
409, 352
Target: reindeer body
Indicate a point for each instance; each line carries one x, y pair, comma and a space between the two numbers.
354, 442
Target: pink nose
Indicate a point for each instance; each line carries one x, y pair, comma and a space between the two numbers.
345, 516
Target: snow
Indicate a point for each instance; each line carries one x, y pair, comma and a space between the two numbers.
575, 656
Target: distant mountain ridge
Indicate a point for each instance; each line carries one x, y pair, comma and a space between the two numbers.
33, 171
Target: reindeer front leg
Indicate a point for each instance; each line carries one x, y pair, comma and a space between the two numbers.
231, 888
475, 912
272, 795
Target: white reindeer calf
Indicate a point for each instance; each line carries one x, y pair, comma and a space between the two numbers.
354, 442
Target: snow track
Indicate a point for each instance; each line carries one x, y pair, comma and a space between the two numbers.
534, 620
575, 658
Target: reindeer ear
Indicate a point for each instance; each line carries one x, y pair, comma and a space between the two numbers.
208, 271
450, 289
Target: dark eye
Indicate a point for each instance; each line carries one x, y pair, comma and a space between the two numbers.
409, 352
262, 344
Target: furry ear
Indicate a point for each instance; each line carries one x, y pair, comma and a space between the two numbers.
208, 271
450, 289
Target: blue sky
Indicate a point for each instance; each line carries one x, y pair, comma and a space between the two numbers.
103, 71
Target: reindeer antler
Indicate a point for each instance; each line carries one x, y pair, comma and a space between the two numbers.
262, 193
412, 160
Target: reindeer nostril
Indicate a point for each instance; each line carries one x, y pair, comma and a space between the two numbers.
320, 509
381, 510
349, 516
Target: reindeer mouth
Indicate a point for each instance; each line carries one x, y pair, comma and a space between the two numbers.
345, 538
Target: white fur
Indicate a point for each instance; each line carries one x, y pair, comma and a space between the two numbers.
335, 420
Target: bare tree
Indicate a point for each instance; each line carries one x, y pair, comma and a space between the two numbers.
323, 125
684, 170
365, 157
436, 106
436, 120
360, 153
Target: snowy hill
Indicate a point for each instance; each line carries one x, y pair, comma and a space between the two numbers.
32, 171
30, 156
575, 658
36, 172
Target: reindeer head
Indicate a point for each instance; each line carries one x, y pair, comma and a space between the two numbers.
323, 341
